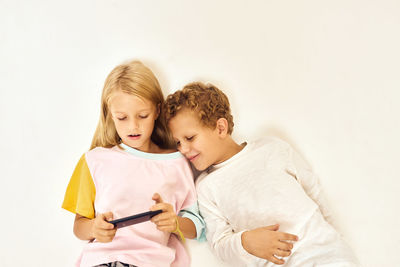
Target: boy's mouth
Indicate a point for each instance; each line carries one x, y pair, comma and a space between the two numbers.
192, 158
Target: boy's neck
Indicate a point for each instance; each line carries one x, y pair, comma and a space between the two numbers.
229, 149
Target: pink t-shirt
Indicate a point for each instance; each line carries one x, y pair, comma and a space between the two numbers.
125, 181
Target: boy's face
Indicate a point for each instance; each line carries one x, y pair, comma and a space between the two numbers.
198, 143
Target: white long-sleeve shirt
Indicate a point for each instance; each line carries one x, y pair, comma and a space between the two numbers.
266, 183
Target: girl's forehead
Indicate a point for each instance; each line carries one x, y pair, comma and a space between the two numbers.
125, 101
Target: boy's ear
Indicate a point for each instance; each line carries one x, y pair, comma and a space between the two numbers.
222, 127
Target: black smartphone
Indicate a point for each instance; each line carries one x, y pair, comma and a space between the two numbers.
134, 219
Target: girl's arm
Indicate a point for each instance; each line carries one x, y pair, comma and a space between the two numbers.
97, 228
187, 227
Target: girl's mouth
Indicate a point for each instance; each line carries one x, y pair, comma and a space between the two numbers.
134, 136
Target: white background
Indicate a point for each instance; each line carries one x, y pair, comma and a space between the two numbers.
323, 75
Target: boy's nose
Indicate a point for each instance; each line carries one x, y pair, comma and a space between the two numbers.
184, 148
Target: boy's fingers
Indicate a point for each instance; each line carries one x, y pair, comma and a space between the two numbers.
276, 260
285, 245
282, 253
274, 227
288, 237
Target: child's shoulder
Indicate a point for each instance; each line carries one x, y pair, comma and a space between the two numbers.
101, 152
271, 142
99, 149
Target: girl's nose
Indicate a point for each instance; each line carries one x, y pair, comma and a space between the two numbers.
135, 124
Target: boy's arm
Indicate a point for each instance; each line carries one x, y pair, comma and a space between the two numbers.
310, 183
248, 247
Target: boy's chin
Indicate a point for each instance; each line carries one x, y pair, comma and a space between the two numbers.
199, 167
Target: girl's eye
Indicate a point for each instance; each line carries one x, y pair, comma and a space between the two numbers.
143, 116
121, 119
189, 138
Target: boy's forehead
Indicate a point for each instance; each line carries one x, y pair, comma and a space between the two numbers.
184, 119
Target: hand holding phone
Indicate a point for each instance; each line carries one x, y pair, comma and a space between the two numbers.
134, 219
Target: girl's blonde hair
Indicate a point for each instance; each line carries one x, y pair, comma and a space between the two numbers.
136, 79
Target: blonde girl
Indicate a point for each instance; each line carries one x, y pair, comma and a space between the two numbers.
129, 166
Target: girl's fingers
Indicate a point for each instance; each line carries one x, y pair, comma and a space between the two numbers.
163, 216
167, 222
157, 198
105, 225
161, 206
110, 233
101, 221
165, 228
106, 233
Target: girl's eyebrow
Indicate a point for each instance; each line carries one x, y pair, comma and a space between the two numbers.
118, 113
142, 110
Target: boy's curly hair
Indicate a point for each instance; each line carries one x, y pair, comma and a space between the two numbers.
206, 100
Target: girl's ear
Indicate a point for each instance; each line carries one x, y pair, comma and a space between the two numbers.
222, 127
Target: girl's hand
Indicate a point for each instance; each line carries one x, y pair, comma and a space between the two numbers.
165, 221
102, 230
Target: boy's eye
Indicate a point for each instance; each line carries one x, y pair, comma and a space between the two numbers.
189, 138
178, 143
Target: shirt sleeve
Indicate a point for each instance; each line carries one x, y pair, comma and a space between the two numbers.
80, 194
310, 183
193, 214
222, 238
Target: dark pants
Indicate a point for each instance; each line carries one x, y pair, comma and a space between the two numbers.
115, 264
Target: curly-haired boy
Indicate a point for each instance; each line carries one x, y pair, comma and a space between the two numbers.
250, 191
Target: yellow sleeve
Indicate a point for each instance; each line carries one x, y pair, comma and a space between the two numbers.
81, 192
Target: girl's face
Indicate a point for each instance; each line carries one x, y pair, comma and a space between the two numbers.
133, 119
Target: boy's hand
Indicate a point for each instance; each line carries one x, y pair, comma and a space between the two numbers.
165, 221
102, 230
267, 243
